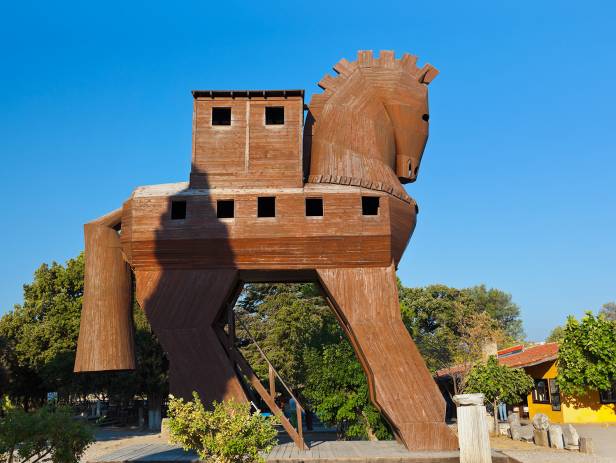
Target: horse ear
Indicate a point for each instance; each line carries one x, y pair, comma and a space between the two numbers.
427, 74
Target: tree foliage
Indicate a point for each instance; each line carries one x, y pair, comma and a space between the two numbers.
450, 325
38, 342
301, 337
46, 434
608, 310
338, 389
587, 354
556, 335
227, 434
498, 383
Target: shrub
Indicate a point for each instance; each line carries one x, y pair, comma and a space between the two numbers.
46, 434
227, 434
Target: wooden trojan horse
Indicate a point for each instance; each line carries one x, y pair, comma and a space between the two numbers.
272, 199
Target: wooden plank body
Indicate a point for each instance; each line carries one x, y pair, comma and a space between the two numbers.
363, 138
291, 240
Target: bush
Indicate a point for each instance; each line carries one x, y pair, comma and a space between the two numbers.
227, 434
47, 434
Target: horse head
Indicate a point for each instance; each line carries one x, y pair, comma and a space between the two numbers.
370, 125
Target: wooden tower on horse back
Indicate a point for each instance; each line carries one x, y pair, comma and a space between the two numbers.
275, 198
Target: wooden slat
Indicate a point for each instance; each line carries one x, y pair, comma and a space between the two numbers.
256, 384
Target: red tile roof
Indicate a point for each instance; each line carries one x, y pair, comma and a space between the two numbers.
532, 355
511, 350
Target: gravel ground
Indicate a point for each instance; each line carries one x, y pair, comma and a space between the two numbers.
556, 456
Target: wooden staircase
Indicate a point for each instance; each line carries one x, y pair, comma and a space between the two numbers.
244, 370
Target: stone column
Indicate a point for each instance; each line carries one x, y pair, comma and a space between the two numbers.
473, 435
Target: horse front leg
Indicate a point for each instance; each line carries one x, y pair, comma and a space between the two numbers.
401, 387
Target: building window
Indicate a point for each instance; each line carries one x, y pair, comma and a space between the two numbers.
266, 206
314, 207
370, 205
225, 208
178, 210
221, 116
540, 392
609, 396
274, 115
554, 395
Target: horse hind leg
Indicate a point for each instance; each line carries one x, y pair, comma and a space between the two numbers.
401, 387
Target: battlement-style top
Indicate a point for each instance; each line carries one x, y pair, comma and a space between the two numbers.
247, 138
246, 93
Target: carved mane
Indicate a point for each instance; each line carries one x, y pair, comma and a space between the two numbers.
358, 131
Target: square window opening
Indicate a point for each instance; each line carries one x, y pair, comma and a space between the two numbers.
225, 208
266, 206
314, 207
370, 205
274, 115
178, 210
541, 392
608, 396
221, 116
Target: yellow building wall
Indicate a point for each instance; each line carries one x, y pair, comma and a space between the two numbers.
574, 409
543, 371
588, 409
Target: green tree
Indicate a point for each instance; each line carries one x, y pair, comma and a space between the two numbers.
499, 305
300, 335
285, 320
227, 434
608, 310
440, 319
556, 335
587, 355
43, 435
498, 383
40, 341
338, 389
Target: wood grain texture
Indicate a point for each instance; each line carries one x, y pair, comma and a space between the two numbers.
364, 136
106, 330
182, 306
247, 152
366, 301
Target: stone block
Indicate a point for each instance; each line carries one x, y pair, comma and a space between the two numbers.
541, 422
570, 436
540, 437
586, 445
555, 434
519, 432
503, 429
513, 418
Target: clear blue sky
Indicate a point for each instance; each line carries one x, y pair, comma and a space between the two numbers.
518, 183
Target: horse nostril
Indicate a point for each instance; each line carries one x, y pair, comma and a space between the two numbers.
416, 171
426, 117
410, 167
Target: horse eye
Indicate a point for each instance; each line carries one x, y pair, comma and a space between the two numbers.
426, 117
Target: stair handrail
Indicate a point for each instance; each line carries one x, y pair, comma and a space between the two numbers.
254, 341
